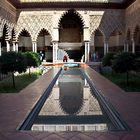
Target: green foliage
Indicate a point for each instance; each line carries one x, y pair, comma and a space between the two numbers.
120, 80
124, 62
12, 62
36, 56
107, 59
21, 81
137, 65
30, 60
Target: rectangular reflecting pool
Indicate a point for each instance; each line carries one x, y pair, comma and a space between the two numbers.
71, 105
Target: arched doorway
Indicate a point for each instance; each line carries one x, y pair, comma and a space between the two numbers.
25, 43
44, 45
99, 44
116, 41
4, 38
137, 40
71, 35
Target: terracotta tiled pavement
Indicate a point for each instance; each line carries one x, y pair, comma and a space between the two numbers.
15, 107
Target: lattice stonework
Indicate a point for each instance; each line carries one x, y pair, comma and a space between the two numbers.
108, 22
34, 24
95, 21
132, 17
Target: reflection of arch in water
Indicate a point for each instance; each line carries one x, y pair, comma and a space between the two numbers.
71, 94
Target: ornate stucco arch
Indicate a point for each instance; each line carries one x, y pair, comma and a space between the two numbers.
33, 22
45, 28
9, 27
128, 34
107, 22
93, 33
75, 12
24, 29
135, 30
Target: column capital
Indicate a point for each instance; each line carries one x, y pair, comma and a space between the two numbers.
55, 41
85, 27
13, 41
34, 41
132, 39
106, 39
86, 41
55, 27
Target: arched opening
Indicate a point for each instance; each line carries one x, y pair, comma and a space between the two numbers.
25, 43
137, 40
4, 38
98, 44
44, 45
116, 41
71, 35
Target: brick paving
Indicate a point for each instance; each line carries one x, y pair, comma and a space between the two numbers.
15, 107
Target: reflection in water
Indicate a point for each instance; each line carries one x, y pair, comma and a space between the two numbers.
71, 107
71, 93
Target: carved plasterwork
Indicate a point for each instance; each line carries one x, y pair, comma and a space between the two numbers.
95, 21
107, 22
10, 27
80, 14
7, 17
132, 17
33, 23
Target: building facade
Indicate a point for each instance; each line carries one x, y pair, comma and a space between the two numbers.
77, 29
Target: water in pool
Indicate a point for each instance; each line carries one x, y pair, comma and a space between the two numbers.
71, 106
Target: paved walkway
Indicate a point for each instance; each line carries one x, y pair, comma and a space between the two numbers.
15, 107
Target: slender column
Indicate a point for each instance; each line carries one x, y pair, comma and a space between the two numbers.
55, 48
14, 46
107, 47
35, 47
85, 82
86, 50
8, 46
133, 46
124, 47
127, 47
104, 48
53, 52
0, 49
